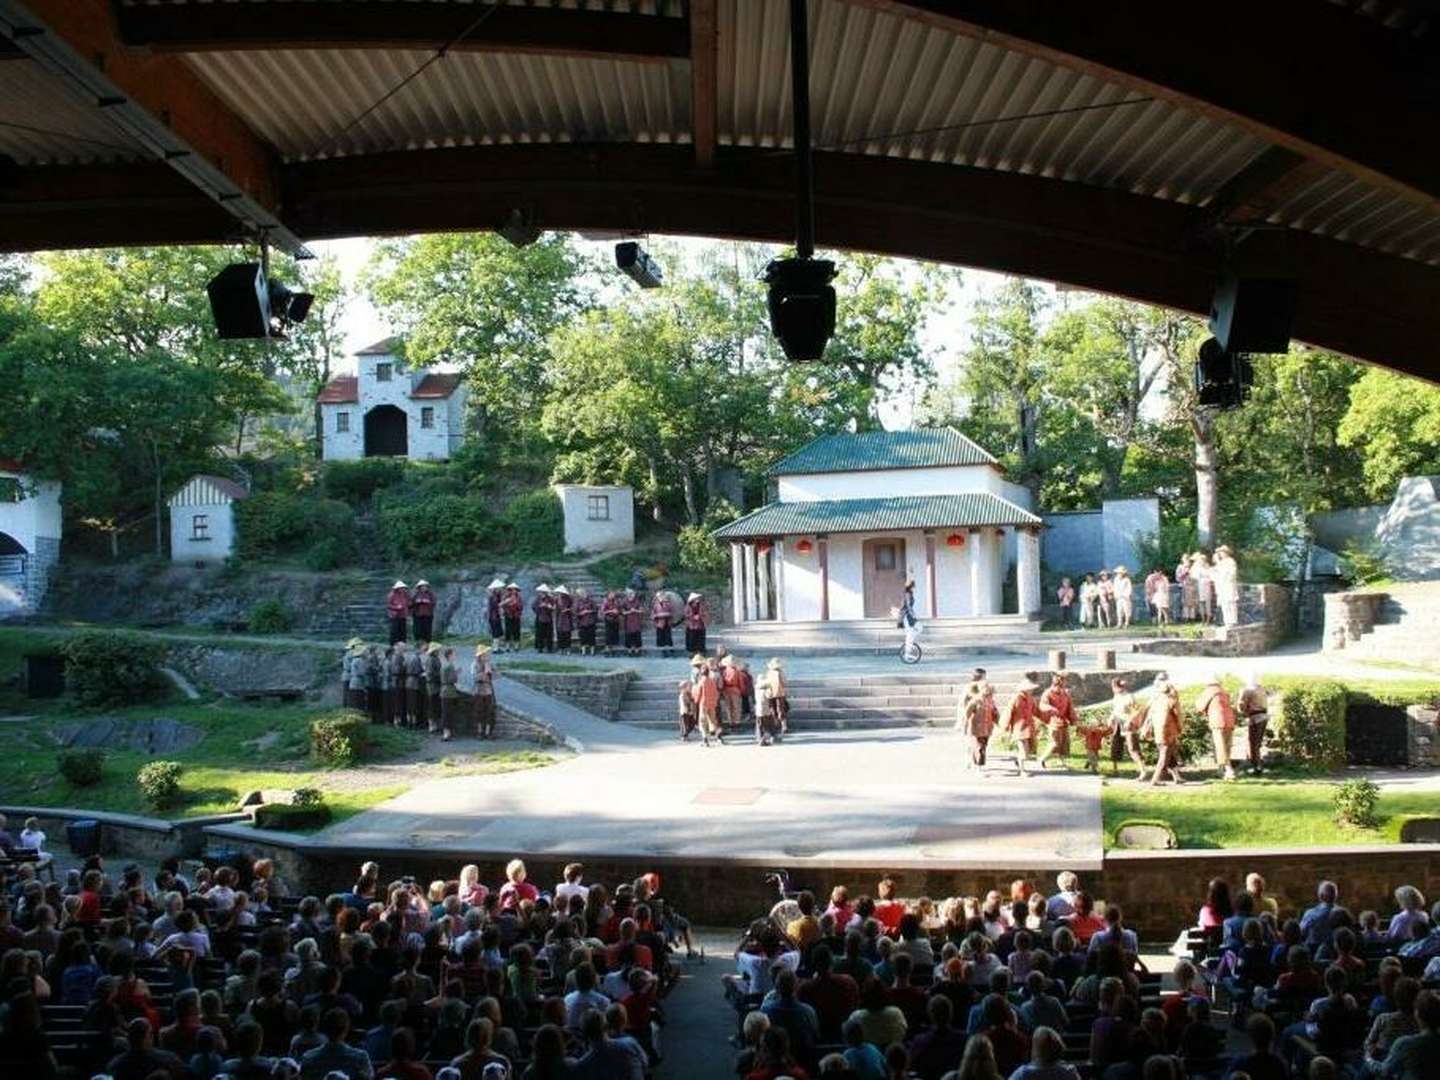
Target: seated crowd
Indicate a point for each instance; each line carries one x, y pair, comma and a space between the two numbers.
1036, 987
225, 973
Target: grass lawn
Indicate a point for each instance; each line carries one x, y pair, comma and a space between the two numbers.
1259, 812
244, 746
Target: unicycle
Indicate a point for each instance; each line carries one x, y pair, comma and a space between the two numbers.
910, 651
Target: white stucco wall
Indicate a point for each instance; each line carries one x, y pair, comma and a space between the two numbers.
185, 548
342, 445
435, 443
36, 516
883, 483
582, 534
801, 575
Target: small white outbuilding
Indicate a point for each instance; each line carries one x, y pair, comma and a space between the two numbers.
30, 521
598, 517
202, 519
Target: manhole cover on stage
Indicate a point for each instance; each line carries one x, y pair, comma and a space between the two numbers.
728, 796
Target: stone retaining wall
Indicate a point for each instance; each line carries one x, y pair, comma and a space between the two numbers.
1349, 616
599, 694
1267, 618
127, 835
1423, 736
1160, 892
257, 671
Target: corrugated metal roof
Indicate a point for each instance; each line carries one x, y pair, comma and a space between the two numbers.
972, 508
43, 123
383, 347
867, 450
302, 101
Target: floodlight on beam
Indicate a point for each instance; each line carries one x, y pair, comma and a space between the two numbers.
517, 229
637, 264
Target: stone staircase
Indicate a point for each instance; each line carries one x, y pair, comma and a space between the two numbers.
1407, 625
870, 637
358, 610
860, 702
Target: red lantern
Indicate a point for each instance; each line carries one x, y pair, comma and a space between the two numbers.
804, 547
762, 547
955, 540
1000, 533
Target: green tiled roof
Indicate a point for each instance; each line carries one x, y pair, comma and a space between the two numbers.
847, 452
877, 515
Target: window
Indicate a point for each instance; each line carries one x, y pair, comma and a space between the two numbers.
597, 507
427, 416
342, 421
884, 556
383, 372
199, 526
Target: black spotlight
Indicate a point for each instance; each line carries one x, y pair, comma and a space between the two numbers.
1222, 378
289, 307
638, 265
802, 305
517, 229
240, 301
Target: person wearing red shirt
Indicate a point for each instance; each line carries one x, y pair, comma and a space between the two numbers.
888, 910
662, 614
1021, 721
1057, 710
512, 606
1084, 923
628, 930
422, 611
632, 613
732, 690
397, 610
516, 888
91, 908
695, 620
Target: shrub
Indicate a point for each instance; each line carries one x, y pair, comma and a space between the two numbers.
331, 553
338, 738
357, 481
294, 818
1309, 725
699, 552
83, 768
1365, 564
441, 528
159, 782
535, 523
1355, 803
270, 617
106, 668
276, 522
308, 796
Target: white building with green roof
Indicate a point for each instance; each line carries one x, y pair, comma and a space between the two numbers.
857, 515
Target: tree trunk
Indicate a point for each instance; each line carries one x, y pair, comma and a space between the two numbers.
656, 515
159, 501
1207, 478
692, 508
115, 545
712, 471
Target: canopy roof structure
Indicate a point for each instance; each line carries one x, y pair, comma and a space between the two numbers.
970, 509
1126, 146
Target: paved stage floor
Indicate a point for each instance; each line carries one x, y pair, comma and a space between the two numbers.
858, 798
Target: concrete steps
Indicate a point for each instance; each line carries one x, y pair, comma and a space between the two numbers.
1407, 625
842, 702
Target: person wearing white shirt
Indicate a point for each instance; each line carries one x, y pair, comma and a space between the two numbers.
570, 887
32, 838
1063, 902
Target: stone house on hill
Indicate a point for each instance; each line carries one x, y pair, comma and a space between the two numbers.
388, 410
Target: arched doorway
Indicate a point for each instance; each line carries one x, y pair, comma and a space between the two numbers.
12, 556
386, 432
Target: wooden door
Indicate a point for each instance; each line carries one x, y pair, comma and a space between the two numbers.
884, 571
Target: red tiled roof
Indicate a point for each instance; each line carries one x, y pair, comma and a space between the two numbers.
341, 390
436, 385
11, 465
383, 347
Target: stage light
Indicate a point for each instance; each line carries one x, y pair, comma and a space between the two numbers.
1222, 378
638, 265
802, 305
516, 229
245, 305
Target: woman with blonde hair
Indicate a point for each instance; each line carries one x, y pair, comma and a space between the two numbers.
978, 1061
472, 892
1204, 578
1411, 902
516, 888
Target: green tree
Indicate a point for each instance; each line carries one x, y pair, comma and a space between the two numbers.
1393, 423
475, 300
883, 308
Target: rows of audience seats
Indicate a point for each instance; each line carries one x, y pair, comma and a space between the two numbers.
1030, 986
